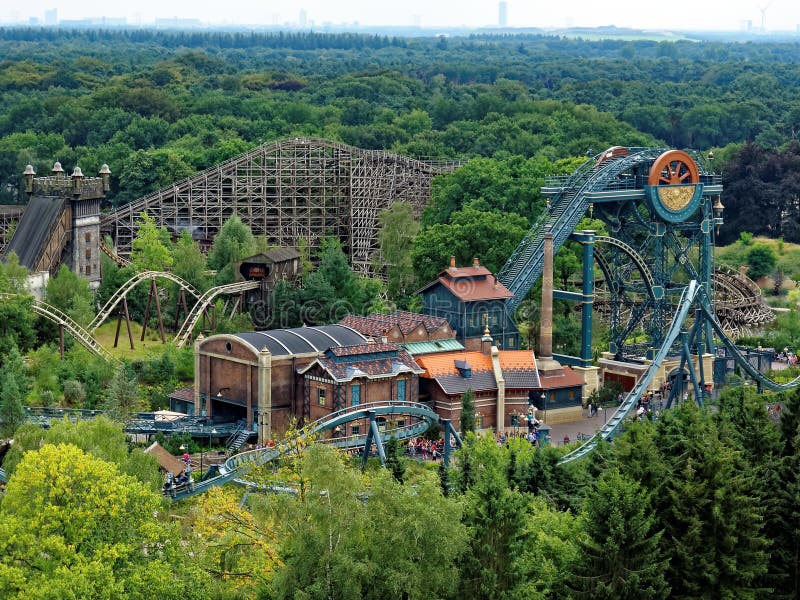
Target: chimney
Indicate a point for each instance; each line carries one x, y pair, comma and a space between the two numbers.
546, 329
452, 262
475, 262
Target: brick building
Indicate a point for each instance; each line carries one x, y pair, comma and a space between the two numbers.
503, 382
254, 375
353, 375
269, 378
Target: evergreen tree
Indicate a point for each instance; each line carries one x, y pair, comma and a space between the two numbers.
493, 515
709, 510
468, 420
745, 425
620, 556
394, 459
13, 386
122, 398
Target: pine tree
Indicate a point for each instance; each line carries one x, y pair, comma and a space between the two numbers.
13, 387
394, 459
123, 396
492, 514
710, 511
620, 556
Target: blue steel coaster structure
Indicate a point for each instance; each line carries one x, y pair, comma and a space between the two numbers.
411, 419
662, 208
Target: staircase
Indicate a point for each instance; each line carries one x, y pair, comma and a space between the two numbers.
238, 437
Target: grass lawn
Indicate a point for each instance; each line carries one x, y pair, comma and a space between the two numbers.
150, 346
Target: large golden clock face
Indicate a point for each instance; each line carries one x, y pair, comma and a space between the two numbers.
675, 198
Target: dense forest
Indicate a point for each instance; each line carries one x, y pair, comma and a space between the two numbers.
159, 106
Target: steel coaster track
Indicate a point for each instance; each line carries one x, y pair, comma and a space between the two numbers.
126, 287
58, 317
610, 428
203, 303
525, 264
235, 467
690, 295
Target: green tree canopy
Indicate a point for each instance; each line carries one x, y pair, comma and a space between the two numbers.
71, 294
234, 242
150, 250
761, 260
72, 525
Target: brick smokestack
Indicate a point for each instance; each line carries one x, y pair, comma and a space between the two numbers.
546, 327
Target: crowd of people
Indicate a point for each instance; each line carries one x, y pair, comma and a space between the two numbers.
786, 356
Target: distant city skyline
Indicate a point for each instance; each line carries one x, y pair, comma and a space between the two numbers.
732, 15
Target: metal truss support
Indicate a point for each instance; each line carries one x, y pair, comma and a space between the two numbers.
449, 433
373, 437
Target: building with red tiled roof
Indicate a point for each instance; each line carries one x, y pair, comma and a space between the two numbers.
503, 382
400, 326
470, 299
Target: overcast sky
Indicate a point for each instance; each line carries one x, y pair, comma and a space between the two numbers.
676, 14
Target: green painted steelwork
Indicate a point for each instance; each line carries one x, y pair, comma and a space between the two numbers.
234, 469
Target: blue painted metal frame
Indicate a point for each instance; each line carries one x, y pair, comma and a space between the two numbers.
236, 466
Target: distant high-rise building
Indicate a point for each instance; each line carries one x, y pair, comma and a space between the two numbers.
502, 16
51, 16
303, 20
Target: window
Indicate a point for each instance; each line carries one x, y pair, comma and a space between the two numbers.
511, 342
88, 237
401, 390
355, 394
321, 396
88, 269
572, 395
355, 429
494, 319
88, 253
401, 423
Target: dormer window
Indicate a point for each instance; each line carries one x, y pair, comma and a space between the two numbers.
464, 369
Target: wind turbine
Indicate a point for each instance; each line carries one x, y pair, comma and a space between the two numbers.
763, 10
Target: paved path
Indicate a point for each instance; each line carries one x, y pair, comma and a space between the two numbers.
586, 425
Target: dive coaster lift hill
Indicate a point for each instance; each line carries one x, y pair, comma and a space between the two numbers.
662, 209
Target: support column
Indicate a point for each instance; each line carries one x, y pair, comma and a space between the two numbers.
264, 396
588, 296
198, 408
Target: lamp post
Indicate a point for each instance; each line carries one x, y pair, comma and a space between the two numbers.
210, 433
544, 404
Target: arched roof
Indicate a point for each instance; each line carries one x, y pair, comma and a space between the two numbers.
301, 340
